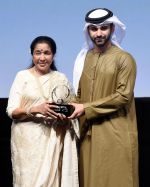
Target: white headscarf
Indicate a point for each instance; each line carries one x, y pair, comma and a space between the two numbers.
116, 39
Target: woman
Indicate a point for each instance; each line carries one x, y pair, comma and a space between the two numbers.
43, 142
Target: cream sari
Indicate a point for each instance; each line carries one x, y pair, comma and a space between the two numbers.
43, 154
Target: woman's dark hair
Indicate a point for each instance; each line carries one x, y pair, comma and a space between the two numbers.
50, 42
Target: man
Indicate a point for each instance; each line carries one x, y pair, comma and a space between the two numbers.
104, 78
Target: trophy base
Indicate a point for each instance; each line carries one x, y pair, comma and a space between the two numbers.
65, 109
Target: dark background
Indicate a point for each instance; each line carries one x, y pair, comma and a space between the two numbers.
143, 120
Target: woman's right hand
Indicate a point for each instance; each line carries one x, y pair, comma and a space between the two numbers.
46, 109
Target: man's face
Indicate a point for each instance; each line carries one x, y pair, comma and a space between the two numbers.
100, 35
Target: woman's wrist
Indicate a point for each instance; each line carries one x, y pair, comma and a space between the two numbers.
29, 112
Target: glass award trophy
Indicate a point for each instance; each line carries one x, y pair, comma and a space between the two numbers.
61, 97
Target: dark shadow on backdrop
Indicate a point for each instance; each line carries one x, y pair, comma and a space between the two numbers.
5, 161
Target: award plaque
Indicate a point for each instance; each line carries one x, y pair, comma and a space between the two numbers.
61, 97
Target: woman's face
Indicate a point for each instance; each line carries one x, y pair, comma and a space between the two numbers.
42, 58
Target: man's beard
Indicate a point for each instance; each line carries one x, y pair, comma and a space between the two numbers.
101, 41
